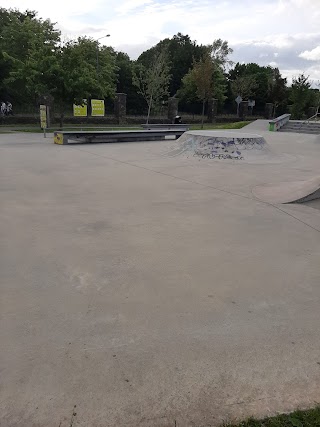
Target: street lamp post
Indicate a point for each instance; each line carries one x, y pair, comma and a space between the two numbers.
97, 40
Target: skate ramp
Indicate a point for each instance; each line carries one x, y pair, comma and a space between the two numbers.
224, 146
289, 192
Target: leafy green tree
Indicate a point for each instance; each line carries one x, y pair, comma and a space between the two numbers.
300, 95
278, 91
200, 77
206, 79
23, 37
314, 99
181, 52
81, 76
262, 76
219, 51
153, 82
125, 66
69, 72
188, 93
270, 85
244, 86
34, 62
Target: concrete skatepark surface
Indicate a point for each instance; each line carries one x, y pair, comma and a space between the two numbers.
148, 290
289, 192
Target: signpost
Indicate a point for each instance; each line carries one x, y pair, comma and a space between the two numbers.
238, 101
80, 110
43, 119
97, 107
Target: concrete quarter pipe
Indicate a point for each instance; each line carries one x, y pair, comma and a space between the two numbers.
237, 147
224, 146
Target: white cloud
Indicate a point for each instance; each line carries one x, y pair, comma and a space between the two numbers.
312, 72
311, 55
278, 40
258, 30
130, 5
55, 10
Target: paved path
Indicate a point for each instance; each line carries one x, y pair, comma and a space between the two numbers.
147, 290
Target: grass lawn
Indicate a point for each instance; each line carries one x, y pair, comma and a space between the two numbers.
208, 126
308, 418
34, 129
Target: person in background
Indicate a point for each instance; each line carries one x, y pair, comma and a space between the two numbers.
9, 109
3, 108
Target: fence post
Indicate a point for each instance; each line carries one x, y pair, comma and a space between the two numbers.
243, 111
212, 110
120, 107
268, 111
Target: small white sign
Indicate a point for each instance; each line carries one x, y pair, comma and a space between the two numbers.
238, 99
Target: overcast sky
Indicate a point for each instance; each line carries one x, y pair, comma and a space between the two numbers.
282, 33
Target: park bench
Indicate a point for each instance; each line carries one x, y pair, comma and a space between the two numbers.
67, 137
165, 126
277, 123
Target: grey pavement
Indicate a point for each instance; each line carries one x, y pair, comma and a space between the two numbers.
148, 291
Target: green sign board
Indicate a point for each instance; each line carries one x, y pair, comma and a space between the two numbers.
80, 110
97, 107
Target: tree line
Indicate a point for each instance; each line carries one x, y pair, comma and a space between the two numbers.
36, 61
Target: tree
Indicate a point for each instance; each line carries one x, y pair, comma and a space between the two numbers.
206, 79
80, 78
244, 87
153, 82
135, 101
262, 76
219, 52
278, 91
181, 51
201, 78
69, 72
34, 62
22, 37
300, 95
314, 99
189, 92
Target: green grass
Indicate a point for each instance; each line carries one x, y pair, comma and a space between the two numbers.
208, 126
34, 129
76, 127
307, 418
31, 130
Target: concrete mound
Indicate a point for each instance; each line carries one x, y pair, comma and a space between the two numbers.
289, 192
223, 146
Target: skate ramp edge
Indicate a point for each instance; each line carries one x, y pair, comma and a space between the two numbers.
289, 192
221, 145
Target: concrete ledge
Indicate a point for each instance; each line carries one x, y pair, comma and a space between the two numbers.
67, 137
277, 123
